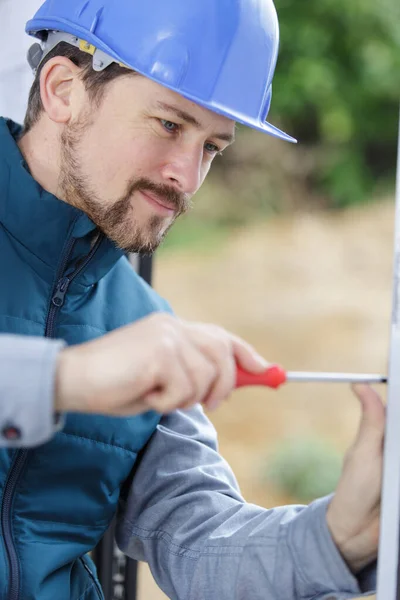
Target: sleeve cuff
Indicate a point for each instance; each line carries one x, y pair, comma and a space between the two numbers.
325, 570
346, 597
27, 382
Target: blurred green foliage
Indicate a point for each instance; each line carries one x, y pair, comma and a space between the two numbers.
304, 468
337, 86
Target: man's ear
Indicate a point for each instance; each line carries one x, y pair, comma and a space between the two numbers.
57, 80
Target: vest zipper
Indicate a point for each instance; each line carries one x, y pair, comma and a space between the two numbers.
93, 578
64, 282
21, 456
8, 496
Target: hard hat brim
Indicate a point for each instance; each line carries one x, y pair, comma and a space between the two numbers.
254, 124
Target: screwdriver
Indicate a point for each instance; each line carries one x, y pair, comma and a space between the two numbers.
275, 376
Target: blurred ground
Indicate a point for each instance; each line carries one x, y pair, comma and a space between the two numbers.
311, 292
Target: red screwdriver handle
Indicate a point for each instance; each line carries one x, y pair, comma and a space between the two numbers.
273, 377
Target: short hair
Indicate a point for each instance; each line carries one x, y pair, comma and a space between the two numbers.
95, 81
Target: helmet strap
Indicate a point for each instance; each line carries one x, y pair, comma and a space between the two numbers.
39, 51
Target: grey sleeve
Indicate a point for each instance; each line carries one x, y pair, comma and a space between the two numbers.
27, 379
367, 596
185, 516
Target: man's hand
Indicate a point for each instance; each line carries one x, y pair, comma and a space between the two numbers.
353, 515
159, 363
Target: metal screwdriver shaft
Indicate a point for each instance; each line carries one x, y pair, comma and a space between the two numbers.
335, 377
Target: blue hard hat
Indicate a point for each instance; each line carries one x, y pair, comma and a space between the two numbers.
220, 54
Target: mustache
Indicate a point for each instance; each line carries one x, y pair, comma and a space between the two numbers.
181, 202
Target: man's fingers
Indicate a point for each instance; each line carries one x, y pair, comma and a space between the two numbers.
372, 424
202, 371
215, 344
218, 342
225, 350
223, 385
187, 381
247, 357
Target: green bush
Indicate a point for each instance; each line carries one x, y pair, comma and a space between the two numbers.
304, 468
337, 86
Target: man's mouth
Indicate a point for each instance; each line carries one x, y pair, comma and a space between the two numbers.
159, 202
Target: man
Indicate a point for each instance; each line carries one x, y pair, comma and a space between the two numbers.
131, 103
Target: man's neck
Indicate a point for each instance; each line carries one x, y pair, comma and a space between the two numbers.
40, 151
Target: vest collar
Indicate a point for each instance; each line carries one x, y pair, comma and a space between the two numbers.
39, 220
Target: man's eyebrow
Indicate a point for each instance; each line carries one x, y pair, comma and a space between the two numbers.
188, 118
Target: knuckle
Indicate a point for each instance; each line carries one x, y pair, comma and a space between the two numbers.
224, 347
204, 372
219, 344
218, 333
167, 340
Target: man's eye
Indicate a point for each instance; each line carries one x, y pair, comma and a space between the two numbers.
169, 125
212, 148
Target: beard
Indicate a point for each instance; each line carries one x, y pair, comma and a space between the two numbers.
115, 218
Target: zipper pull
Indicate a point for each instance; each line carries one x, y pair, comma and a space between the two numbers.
59, 296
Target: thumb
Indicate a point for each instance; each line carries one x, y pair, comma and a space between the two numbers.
372, 423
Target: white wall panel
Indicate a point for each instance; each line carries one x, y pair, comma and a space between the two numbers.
15, 74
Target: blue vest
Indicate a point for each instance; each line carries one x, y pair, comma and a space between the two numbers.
57, 500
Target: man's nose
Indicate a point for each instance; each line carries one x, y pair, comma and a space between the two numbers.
184, 170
